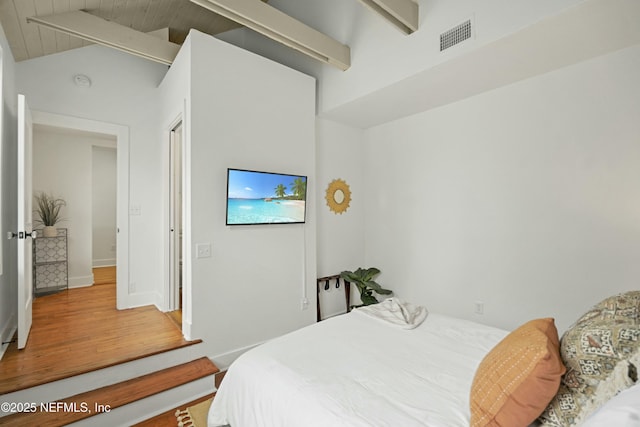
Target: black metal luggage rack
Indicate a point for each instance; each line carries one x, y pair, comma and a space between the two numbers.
328, 281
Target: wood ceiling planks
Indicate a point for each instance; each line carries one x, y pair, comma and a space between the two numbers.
33, 28
86, 26
11, 26
28, 40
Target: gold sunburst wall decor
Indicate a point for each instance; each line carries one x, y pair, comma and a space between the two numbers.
338, 196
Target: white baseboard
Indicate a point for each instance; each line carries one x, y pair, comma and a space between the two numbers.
159, 303
109, 262
334, 314
186, 329
224, 360
140, 299
8, 330
80, 281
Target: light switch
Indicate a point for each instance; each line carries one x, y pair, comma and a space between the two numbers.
203, 250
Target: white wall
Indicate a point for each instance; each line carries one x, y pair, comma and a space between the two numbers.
377, 45
8, 214
64, 165
103, 200
62, 168
525, 197
491, 198
339, 153
124, 92
175, 99
247, 112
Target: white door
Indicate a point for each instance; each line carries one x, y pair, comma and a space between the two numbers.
25, 197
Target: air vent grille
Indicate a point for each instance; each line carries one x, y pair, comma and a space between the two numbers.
455, 35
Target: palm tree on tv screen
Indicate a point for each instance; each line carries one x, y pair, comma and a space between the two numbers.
299, 188
280, 190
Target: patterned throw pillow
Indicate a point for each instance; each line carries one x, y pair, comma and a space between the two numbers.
602, 354
518, 378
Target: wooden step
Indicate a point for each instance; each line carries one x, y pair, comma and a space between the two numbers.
81, 330
168, 418
85, 405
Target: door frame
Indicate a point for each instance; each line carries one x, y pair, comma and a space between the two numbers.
179, 116
172, 293
123, 299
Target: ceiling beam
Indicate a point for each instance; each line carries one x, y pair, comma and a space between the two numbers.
279, 26
94, 29
401, 13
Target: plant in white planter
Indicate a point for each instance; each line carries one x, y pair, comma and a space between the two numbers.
48, 210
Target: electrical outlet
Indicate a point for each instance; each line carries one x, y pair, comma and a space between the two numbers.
304, 304
479, 307
135, 210
203, 250
132, 287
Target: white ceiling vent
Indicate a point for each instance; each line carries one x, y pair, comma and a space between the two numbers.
455, 35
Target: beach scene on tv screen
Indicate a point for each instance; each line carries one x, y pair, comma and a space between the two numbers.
265, 198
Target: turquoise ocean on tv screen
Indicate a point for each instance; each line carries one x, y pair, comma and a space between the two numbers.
258, 211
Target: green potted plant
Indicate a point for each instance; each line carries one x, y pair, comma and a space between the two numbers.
48, 210
363, 279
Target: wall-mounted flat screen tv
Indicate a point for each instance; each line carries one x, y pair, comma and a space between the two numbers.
265, 198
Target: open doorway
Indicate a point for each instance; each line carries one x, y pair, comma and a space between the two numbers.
176, 216
78, 167
115, 138
103, 214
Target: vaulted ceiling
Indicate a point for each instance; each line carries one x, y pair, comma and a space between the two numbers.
41, 27
29, 40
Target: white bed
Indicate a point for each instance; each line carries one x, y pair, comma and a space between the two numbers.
354, 370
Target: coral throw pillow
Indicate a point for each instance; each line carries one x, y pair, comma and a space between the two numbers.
518, 378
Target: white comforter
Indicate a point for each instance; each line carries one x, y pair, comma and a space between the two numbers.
353, 370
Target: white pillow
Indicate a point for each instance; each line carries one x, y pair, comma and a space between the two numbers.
622, 410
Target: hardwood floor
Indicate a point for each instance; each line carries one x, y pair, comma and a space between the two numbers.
80, 330
176, 316
104, 275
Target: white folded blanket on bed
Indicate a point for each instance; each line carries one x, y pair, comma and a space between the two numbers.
396, 312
